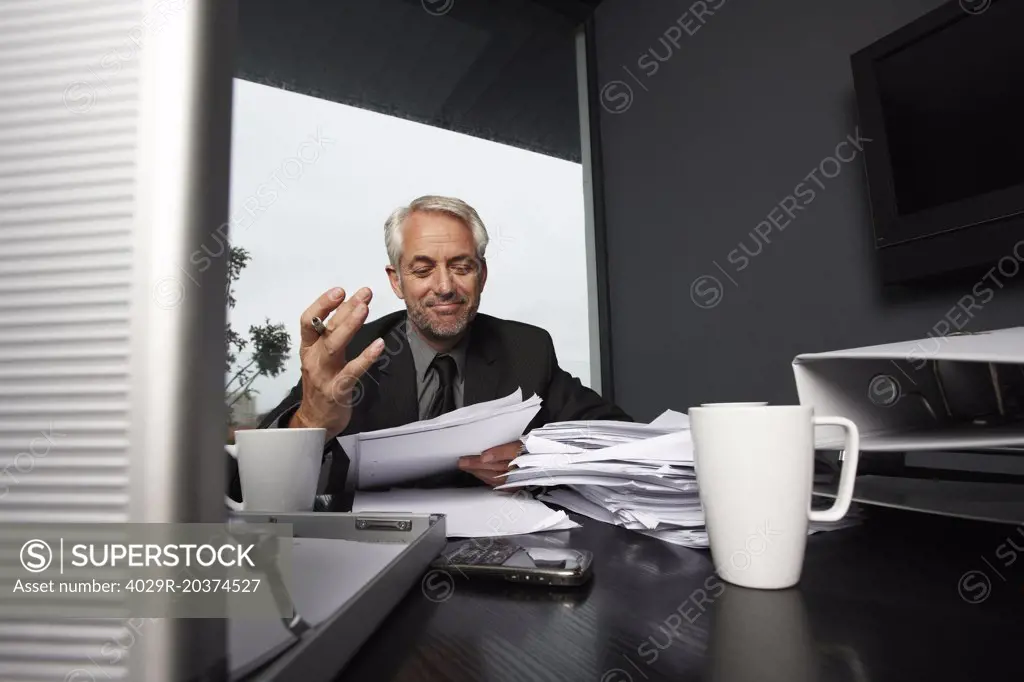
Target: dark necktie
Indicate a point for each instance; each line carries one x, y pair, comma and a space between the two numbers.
444, 400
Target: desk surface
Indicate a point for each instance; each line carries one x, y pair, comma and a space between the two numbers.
904, 597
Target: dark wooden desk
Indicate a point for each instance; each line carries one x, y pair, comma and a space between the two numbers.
888, 601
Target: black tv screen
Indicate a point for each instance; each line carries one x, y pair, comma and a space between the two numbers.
943, 101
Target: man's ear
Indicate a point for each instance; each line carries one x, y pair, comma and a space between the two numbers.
396, 281
483, 273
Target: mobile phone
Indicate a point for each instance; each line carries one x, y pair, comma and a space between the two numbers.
508, 560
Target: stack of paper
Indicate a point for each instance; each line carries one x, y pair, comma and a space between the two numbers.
407, 453
639, 476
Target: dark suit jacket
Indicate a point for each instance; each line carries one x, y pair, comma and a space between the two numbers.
502, 356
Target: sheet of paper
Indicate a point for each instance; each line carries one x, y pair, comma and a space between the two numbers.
639, 502
470, 512
615, 468
670, 419
633, 481
670, 448
575, 502
583, 427
511, 402
463, 415
414, 451
583, 500
539, 444
629, 470
694, 539
412, 456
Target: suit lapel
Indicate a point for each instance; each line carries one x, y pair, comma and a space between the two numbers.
396, 378
482, 372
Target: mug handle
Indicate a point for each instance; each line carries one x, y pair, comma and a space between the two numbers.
232, 504
847, 474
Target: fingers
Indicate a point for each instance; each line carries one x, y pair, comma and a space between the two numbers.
472, 465
491, 461
469, 462
345, 322
476, 463
321, 307
501, 453
357, 367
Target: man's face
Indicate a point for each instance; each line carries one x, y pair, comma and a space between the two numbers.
441, 276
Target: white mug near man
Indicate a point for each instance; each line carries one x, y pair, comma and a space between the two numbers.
278, 468
755, 475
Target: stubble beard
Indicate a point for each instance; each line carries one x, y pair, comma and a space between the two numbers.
446, 327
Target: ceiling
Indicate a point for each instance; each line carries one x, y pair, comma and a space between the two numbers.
503, 70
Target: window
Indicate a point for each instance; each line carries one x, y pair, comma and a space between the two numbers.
312, 182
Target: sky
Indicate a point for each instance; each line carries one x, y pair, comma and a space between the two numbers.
313, 181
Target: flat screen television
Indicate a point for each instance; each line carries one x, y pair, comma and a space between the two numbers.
942, 101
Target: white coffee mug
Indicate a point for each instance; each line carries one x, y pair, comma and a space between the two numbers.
278, 468
755, 474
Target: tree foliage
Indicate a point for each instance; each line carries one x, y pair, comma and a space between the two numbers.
263, 353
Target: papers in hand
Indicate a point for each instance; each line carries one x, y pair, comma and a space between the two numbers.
471, 512
425, 448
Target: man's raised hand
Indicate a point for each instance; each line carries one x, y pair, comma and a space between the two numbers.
329, 378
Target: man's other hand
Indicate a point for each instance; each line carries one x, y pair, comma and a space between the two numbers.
491, 462
328, 374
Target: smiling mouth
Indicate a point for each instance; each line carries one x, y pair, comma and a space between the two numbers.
445, 307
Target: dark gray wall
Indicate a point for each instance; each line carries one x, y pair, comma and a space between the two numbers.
749, 103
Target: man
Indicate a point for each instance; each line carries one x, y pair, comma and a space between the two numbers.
437, 355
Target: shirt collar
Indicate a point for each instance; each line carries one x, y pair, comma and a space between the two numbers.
423, 354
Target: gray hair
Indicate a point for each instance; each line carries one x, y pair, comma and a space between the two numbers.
457, 208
